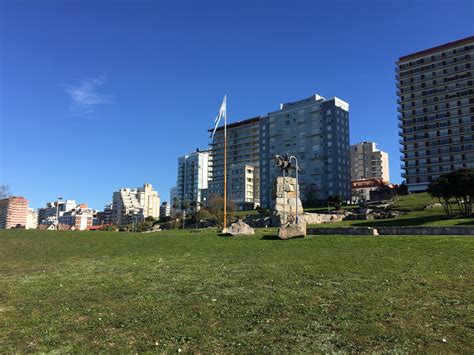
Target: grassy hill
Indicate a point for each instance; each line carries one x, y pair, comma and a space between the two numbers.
199, 292
415, 214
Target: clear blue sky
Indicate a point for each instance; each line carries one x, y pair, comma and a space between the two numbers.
98, 95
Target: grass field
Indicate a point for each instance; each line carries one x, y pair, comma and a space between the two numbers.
199, 292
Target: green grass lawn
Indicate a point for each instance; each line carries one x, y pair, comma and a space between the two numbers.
413, 202
199, 292
415, 215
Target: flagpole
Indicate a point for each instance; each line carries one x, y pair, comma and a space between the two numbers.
225, 167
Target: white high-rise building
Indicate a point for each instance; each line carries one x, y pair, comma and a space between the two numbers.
193, 177
149, 200
130, 205
367, 162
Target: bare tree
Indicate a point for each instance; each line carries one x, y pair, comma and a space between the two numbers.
4, 191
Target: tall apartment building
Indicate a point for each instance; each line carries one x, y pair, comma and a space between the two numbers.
316, 132
367, 162
174, 195
135, 204
149, 200
193, 176
243, 161
13, 212
435, 89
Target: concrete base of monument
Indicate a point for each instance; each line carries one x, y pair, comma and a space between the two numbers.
292, 230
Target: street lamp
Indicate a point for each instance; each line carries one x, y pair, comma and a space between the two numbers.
57, 212
297, 186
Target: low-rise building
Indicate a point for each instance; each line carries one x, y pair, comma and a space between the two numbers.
361, 189
81, 218
13, 212
49, 214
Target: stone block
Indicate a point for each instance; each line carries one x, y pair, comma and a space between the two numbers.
292, 230
239, 228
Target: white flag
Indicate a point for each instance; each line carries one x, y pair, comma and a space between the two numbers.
222, 113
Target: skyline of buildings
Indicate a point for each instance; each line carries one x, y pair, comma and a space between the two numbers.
436, 120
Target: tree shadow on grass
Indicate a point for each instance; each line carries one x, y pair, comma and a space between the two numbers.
467, 223
414, 221
270, 237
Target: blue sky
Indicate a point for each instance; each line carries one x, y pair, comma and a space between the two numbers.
98, 95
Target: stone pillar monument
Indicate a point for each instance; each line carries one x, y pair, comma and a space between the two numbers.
288, 205
286, 200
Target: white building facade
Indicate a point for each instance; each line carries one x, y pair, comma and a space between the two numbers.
131, 205
193, 177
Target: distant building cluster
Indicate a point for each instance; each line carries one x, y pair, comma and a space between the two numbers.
436, 105
435, 89
314, 130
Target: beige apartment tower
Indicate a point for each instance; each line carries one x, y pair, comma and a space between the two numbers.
368, 162
243, 161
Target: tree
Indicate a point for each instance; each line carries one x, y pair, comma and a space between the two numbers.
457, 185
335, 201
359, 196
215, 206
439, 189
4, 191
311, 195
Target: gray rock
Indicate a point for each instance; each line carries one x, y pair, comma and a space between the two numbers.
433, 205
239, 228
293, 230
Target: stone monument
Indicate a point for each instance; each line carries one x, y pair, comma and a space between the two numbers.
288, 207
286, 201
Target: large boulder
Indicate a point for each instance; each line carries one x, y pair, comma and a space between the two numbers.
292, 230
239, 228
